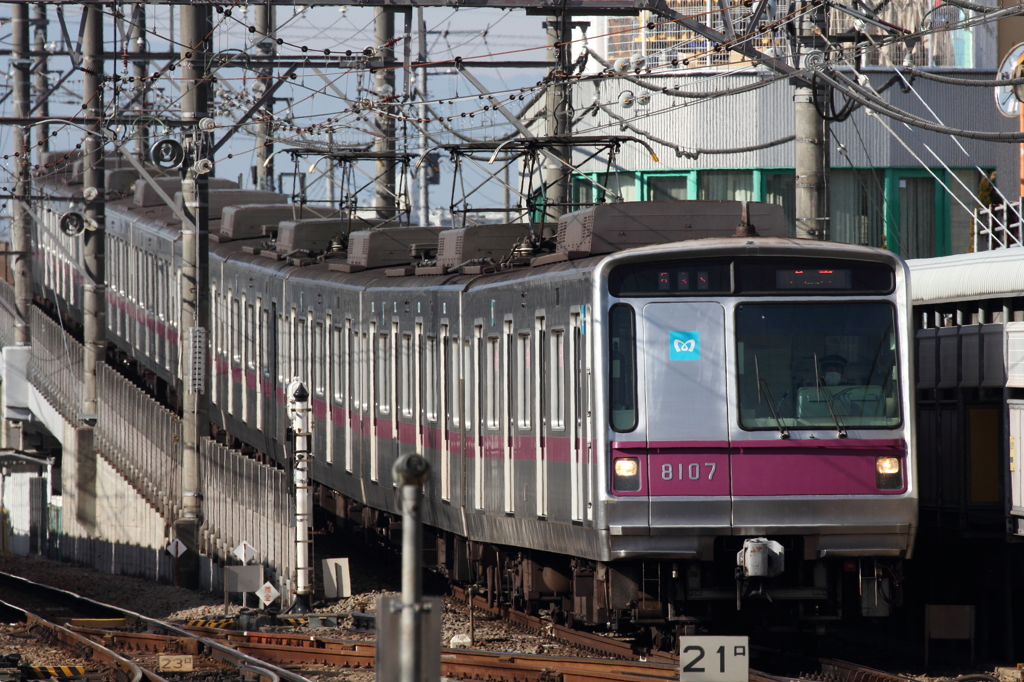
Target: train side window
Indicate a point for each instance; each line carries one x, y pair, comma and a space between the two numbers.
282, 350
558, 379
264, 341
430, 387
524, 382
492, 360
455, 393
236, 332
407, 375
622, 368
384, 376
250, 341
468, 381
320, 359
302, 351
339, 367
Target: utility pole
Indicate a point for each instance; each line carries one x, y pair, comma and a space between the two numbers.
421, 114
411, 472
193, 319
384, 87
21, 232
40, 80
21, 229
811, 147
559, 114
94, 191
298, 408
266, 32
138, 45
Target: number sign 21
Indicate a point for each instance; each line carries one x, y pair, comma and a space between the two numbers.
714, 659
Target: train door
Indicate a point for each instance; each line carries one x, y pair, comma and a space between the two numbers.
370, 399
539, 421
503, 402
350, 415
442, 412
576, 465
687, 414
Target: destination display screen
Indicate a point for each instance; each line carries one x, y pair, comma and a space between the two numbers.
812, 278
660, 279
812, 275
795, 276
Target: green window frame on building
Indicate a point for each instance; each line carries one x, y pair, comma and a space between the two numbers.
905, 210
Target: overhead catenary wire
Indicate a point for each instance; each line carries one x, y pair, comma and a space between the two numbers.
852, 89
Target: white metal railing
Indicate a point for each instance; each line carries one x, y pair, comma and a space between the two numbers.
998, 227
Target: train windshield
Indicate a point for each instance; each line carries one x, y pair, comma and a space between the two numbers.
817, 366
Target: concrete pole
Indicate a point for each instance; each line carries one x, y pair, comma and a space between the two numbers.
421, 113
812, 144
138, 44
411, 472
330, 189
40, 80
559, 114
383, 85
21, 229
298, 408
266, 31
94, 189
194, 305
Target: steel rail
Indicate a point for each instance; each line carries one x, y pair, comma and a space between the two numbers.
217, 649
75, 641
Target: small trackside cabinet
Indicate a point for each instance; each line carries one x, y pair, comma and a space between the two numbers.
1016, 474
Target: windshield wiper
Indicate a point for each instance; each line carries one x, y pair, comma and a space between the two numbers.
783, 431
829, 400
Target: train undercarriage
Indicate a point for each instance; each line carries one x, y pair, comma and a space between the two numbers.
655, 599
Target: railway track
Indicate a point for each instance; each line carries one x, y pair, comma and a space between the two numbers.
130, 645
600, 644
82, 656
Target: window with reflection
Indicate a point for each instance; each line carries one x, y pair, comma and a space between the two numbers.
817, 366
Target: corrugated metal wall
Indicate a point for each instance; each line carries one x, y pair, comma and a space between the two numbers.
766, 114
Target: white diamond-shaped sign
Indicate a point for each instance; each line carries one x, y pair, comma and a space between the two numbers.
245, 552
268, 593
176, 548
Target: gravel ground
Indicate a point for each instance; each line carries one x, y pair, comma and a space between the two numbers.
372, 576
15, 639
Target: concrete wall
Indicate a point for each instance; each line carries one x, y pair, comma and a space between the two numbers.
107, 524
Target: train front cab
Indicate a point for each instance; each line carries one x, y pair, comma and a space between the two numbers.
752, 398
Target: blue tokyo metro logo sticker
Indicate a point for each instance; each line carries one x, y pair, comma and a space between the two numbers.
684, 345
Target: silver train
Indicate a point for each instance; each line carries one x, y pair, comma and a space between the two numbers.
637, 419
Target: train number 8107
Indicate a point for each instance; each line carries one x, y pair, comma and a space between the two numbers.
692, 471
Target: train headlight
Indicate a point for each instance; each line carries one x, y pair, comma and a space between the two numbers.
887, 473
627, 474
886, 466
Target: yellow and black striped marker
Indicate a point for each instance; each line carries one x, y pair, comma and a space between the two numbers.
293, 622
212, 623
105, 623
43, 672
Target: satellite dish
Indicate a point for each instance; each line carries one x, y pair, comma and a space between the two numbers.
1006, 101
167, 154
626, 99
72, 224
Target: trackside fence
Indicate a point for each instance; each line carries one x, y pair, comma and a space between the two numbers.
243, 500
